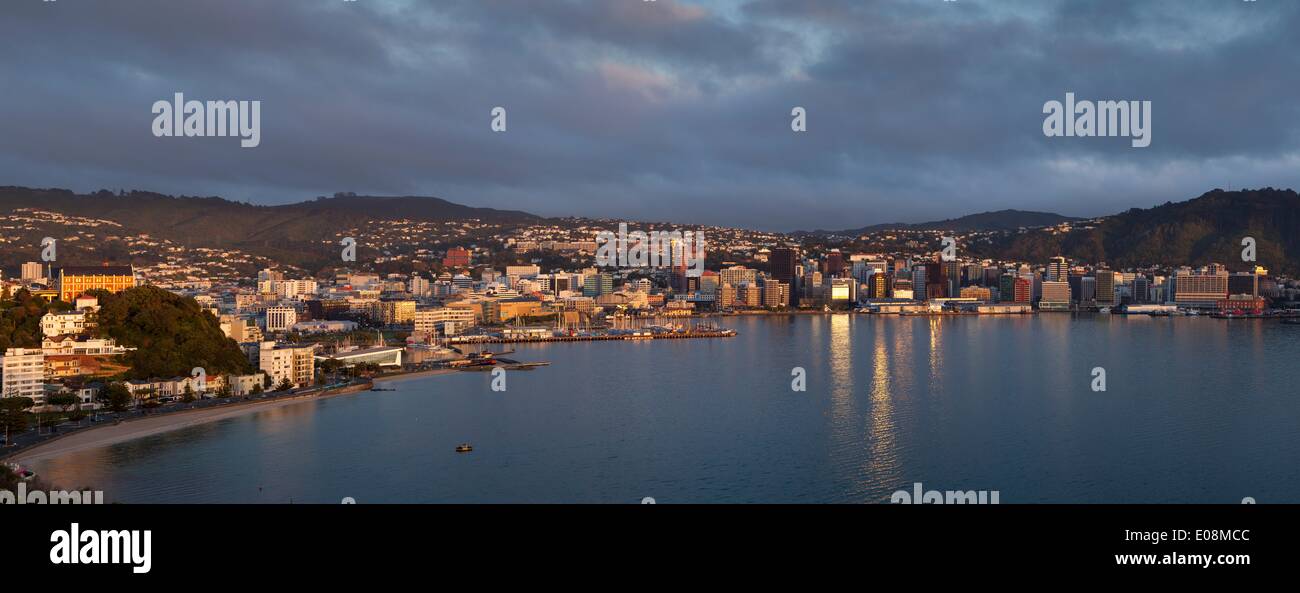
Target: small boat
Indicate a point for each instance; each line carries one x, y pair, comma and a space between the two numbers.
464, 448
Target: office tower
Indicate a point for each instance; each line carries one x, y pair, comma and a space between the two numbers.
280, 319
1243, 283
1088, 289
776, 294
1057, 269
32, 271
951, 278
1105, 288
833, 265
878, 286
1007, 287
737, 274
1141, 289
781, 266
1056, 296
1023, 290
1204, 288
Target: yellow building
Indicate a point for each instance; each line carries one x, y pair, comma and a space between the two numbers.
73, 281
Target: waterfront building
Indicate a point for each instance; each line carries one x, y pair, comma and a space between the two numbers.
1200, 289
1022, 290
24, 374
295, 363
1056, 296
1106, 284
979, 293
776, 294
1243, 283
384, 356
446, 321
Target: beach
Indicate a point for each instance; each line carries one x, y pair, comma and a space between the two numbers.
110, 434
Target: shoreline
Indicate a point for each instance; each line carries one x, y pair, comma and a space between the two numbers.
112, 434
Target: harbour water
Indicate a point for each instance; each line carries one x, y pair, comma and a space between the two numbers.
1195, 410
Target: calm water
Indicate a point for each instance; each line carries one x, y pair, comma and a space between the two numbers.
1196, 410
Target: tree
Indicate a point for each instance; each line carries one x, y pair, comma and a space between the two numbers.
188, 395
12, 417
117, 396
285, 385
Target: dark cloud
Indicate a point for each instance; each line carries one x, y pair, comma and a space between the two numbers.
664, 110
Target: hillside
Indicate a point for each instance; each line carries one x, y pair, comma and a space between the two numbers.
1205, 229
1001, 220
287, 233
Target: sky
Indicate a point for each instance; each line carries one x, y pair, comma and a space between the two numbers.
665, 110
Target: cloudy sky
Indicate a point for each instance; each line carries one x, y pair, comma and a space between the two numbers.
665, 110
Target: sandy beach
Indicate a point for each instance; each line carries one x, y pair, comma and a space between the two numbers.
110, 434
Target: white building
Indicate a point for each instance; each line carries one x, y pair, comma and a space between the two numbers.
445, 320
24, 374
295, 363
63, 324
33, 272
279, 319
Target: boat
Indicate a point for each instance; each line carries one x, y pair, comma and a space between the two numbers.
23, 473
464, 448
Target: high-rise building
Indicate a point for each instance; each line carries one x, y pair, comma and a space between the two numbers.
295, 363
776, 294
878, 286
1106, 288
833, 265
1023, 290
1007, 287
782, 264
1203, 289
1057, 269
24, 374
32, 271
737, 274
594, 285
1056, 296
280, 319
1243, 283
951, 278
1141, 289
